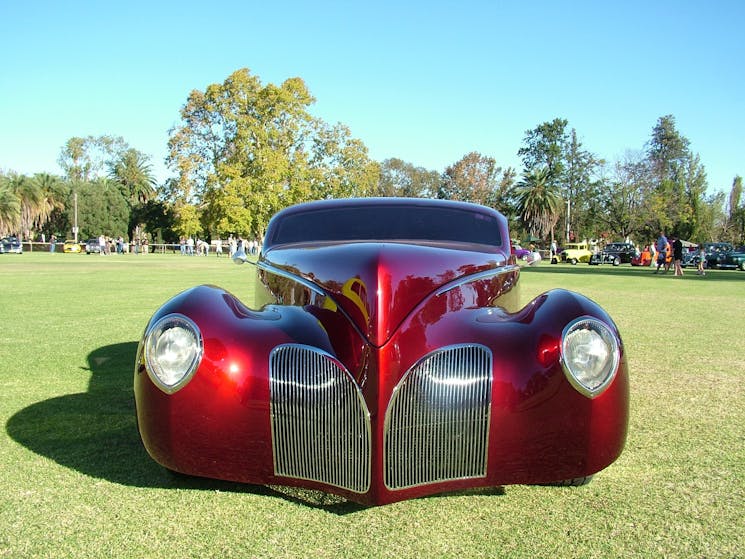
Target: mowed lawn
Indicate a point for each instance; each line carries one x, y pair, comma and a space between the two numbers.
75, 480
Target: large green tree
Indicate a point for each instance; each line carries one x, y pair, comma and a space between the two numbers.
244, 150
400, 178
622, 211
84, 159
101, 208
678, 181
475, 178
736, 213
579, 188
545, 147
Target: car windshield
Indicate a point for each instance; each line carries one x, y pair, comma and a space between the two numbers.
387, 223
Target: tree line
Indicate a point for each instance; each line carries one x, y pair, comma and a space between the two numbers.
244, 150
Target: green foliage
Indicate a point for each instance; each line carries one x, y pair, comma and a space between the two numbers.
102, 208
247, 150
538, 202
399, 178
579, 188
477, 178
678, 182
188, 221
545, 147
156, 218
10, 208
132, 170
84, 159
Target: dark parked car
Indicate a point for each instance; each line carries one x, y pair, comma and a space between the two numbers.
715, 252
733, 259
92, 246
10, 245
386, 357
616, 254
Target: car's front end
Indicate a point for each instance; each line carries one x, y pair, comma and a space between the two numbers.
733, 259
11, 245
92, 246
383, 370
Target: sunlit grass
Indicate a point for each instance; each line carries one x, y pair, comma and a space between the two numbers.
76, 481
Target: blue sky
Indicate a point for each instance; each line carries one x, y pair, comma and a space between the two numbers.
426, 82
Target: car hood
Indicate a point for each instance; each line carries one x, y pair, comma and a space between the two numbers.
379, 284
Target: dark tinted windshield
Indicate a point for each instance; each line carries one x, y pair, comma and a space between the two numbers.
387, 223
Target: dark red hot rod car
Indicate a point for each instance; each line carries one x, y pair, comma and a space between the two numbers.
387, 357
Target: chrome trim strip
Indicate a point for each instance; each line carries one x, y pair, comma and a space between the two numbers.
302, 281
437, 422
319, 419
506, 269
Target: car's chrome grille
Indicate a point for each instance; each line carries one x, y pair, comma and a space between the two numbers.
320, 423
437, 422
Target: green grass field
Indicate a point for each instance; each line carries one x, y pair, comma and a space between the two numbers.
76, 482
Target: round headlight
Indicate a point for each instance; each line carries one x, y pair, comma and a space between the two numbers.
173, 350
590, 355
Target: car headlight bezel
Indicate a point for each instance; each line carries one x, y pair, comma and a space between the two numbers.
590, 355
173, 351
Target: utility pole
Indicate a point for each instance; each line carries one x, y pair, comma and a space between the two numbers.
75, 226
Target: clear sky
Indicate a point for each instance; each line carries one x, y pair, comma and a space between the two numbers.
424, 81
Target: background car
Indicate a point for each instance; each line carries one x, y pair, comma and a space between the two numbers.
691, 259
72, 246
576, 252
616, 254
733, 259
520, 252
11, 245
387, 355
715, 252
644, 258
92, 246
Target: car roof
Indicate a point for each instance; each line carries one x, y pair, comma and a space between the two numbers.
386, 219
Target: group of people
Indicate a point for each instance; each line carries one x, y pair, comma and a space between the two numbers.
668, 253
190, 247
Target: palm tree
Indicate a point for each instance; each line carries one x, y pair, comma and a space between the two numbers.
30, 196
52, 197
10, 208
538, 203
133, 172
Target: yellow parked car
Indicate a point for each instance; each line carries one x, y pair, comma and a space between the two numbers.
576, 252
71, 246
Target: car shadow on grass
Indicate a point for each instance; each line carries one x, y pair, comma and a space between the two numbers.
95, 433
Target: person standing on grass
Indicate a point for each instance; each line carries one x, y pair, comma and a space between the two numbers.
663, 247
678, 256
701, 260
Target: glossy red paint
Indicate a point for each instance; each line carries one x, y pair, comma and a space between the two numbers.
379, 308
379, 284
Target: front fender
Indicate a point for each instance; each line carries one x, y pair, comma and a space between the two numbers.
217, 425
542, 428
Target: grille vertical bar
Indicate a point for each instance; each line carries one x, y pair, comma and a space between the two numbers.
320, 422
437, 422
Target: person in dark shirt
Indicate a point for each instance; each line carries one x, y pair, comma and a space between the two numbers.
678, 256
